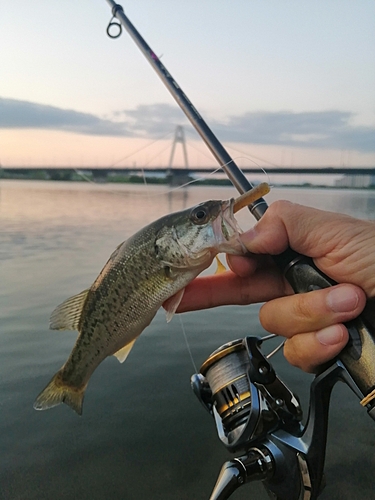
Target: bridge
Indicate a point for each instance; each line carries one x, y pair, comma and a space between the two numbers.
175, 175
104, 172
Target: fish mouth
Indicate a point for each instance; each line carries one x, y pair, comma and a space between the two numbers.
227, 231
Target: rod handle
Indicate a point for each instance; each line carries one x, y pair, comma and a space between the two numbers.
358, 356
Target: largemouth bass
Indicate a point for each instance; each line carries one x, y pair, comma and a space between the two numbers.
153, 265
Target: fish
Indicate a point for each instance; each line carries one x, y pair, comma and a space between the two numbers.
153, 265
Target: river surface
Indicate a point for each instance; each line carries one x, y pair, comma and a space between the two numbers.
143, 434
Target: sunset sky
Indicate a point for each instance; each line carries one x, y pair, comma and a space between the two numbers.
284, 83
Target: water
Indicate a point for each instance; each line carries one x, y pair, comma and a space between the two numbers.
143, 434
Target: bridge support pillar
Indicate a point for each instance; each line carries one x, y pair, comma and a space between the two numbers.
178, 177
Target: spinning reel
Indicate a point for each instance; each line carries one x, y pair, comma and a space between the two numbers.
257, 416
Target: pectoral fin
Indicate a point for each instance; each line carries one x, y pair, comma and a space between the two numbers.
123, 353
172, 304
66, 316
220, 266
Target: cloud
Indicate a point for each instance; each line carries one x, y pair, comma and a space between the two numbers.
313, 129
24, 114
154, 119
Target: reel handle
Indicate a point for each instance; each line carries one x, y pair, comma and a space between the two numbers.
255, 466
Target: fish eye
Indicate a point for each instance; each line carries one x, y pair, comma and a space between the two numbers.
200, 215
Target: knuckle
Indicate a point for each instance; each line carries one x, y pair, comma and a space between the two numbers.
291, 354
295, 357
302, 308
279, 211
279, 206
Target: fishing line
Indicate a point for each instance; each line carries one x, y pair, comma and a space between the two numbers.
187, 344
210, 173
86, 178
146, 185
253, 156
91, 181
255, 163
157, 154
150, 195
204, 153
268, 177
277, 349
144, 177
198, 179
140, 149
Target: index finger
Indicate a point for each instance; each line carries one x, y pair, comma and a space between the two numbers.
230, 289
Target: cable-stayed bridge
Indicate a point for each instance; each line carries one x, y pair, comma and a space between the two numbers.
100, 171
180, 175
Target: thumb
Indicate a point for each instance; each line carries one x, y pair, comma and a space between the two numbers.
307, 230
341, 246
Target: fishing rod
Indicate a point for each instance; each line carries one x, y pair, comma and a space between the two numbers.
254, 411
233, 172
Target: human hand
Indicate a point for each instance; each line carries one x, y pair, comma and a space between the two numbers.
341, 246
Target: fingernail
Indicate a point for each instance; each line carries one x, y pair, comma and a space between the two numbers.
342, 299
331, 335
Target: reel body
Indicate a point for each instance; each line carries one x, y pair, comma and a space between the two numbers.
248, 400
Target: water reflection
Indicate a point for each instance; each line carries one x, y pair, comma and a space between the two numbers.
140, 419
358, 203
178, 199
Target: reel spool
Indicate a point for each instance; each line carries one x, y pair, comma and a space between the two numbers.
239, 387
226, 374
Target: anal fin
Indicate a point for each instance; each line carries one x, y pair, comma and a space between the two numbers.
123, 353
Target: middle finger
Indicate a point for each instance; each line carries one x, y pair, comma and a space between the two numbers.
312, 311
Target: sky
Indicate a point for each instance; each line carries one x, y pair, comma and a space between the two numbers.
286, 83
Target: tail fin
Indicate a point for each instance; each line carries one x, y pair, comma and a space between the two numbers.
57, 392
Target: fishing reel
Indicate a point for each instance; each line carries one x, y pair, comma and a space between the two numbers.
240, 388
258, 416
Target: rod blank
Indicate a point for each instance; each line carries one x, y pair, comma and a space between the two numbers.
232, 170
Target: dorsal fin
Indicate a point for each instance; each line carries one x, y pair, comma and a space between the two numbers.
123, 353
66, 316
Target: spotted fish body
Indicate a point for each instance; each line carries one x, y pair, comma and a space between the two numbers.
143, 272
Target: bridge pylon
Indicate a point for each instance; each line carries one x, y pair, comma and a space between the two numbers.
177, 177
